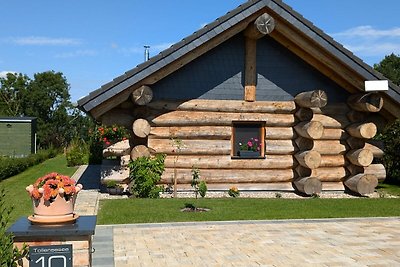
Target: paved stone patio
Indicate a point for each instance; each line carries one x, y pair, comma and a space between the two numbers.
325, 242
335, 242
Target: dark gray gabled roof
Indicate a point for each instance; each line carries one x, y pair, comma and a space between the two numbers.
167, 56
216, 28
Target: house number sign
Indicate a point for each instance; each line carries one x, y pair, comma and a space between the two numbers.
50, 256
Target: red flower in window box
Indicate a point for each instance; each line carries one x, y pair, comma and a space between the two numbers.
253, 144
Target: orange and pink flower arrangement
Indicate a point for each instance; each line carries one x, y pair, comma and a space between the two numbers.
53, 184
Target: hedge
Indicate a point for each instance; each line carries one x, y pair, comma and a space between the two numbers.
12, 166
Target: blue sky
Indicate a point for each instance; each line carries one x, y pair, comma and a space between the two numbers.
92, 42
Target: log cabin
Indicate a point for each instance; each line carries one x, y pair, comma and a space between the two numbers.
261, 73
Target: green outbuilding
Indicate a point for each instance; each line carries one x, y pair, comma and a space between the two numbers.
18, 136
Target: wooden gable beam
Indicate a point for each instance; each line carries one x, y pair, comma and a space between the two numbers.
262, 26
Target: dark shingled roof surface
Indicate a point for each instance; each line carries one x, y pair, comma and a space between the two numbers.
218, 26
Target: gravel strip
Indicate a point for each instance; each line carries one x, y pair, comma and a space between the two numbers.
275, 194
259, 194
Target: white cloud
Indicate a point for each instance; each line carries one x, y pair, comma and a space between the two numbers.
3, 74
378, 49
78, 53
369, 42
368, 32
40, 41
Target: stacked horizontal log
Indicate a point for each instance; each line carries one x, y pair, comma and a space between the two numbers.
122, 152
116, 169
309, 130
319, 145
344, 146
308, 143
204, 128
364, 176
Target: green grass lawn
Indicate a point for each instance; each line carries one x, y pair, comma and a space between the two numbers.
17, 197
124, 211
168, 210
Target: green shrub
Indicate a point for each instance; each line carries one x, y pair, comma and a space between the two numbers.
12, 166
77, 153
203, 188
145, 173
9, 255
95, 150
391, 159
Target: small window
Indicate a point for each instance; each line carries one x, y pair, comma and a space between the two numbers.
248, 140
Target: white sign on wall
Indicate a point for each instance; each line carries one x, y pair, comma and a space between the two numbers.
371, 86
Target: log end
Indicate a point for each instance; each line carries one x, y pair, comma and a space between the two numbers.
363, 184
142, 95
316, 130
141, 128
319, 99
309, 159
265, 24
360, 157
312, 99
369, 102
308, 185
140, 151
304, 143
313, 158
368, 130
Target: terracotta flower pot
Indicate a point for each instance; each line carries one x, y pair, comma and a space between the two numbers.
58, 207
55, 212
53, 197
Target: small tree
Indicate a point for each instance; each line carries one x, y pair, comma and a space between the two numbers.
48, 100
195, 180
390, 67
12, 89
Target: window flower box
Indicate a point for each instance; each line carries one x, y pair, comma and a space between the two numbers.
249, 154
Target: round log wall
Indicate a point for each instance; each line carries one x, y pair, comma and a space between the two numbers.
204, 128
310, 145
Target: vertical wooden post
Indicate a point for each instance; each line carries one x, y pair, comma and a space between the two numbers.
262, 26
250, 78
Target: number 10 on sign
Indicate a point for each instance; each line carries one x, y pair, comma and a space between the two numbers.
51, 256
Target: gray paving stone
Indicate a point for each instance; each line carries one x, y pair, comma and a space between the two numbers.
315, 242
